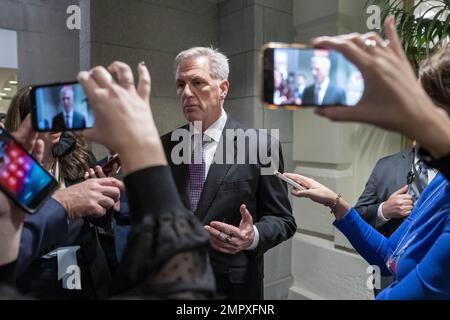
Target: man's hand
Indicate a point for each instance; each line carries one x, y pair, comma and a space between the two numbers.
89, 198
227, 238
399, 204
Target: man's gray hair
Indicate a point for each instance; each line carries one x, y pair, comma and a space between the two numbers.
218, 62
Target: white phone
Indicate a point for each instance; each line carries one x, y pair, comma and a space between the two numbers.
289, 181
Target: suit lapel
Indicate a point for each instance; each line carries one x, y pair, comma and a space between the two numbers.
180, 173
404, 166
181, 176
216, 175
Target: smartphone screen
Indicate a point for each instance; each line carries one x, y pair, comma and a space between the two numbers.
21, 177
61, 107
309, 77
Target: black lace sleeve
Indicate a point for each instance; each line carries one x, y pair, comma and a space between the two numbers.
167, 250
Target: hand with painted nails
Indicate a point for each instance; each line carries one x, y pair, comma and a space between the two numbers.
124, 121
393, 98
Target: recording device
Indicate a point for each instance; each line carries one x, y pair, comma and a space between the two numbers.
109, 165
296, 76
60, 107
22, 178
289, 181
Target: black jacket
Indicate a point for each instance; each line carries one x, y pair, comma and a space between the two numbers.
389, 175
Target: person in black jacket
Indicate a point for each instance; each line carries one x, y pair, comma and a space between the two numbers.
167, 251
47, 277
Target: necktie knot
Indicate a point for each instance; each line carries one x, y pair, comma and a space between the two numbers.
419, 181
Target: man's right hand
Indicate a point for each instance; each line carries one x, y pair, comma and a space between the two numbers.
89, 198
399, 204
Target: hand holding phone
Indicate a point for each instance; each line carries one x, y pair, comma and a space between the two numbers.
289, 181
22, 178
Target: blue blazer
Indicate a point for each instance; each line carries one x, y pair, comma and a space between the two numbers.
418, 252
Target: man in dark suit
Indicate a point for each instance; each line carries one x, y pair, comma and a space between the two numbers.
68, 118
322, 92
245, 213
385, 202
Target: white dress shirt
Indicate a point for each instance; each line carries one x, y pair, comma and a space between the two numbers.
214, 133
70, 115
323, 89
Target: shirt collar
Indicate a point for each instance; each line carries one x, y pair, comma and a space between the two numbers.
324, 84
68, 113
215, 130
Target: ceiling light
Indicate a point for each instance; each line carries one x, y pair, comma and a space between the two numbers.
7, 89
13, 82
3, 94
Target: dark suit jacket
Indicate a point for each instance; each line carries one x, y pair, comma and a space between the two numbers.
333, 96
78, 121
389, 175
227, 186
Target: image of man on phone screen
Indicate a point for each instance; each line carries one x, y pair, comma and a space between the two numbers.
68, 118
322, 91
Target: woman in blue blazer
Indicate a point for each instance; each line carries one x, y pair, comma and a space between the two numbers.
417, 254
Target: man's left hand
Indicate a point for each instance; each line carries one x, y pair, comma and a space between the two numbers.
229, 239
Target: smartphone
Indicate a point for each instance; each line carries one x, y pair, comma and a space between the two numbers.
60, 107
22, 178
289, 181
296, 76
108, 166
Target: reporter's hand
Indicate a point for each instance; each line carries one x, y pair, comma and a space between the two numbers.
95, 173
318, 193
89, 198
98, 173
124, 121
399, 204
404, 106
229, 239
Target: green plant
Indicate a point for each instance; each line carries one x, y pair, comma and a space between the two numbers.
420, 32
